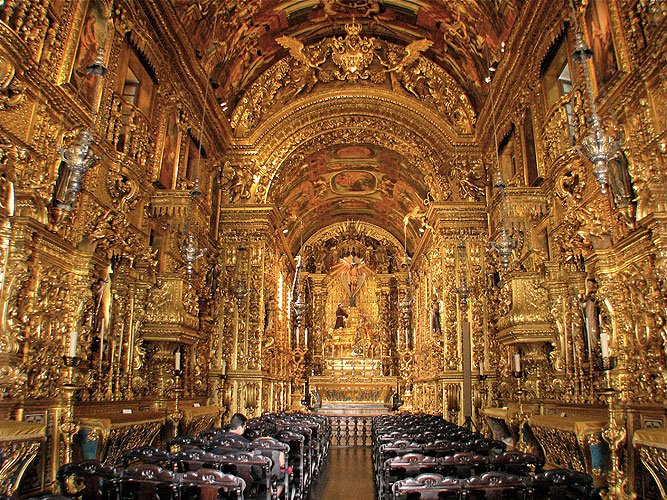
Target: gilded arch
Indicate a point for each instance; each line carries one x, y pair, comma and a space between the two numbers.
384, 118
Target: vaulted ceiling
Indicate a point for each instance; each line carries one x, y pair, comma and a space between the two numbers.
272, 61
236, 39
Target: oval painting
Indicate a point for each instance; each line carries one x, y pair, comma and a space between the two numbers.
354, 151
353, 182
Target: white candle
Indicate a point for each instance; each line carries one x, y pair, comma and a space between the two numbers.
73, 340
481, 366
306, 338
604, 344
102, 329
517, 362
177, 361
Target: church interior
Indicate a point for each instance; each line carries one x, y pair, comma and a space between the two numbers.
351, 221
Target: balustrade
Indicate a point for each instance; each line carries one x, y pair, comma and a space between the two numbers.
351, 431
129, 130
559, 127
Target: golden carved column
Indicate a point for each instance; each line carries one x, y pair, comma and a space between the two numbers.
616, 329
319, 327
247, 243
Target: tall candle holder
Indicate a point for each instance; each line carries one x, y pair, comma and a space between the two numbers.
177, 415
483, 391
521, 417
69, 427
614, 435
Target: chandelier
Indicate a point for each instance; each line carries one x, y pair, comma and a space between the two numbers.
504, 243
189, 249
80, 157
596, 145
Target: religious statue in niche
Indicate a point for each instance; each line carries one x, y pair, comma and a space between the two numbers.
589, 310
435, 318
619, 180
100, 321
340, 317
269, 315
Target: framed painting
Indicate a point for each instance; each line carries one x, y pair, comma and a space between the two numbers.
601, 37
170, 148
92, 35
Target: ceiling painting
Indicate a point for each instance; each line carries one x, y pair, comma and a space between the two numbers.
351, 181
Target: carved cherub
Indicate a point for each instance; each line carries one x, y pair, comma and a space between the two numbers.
412, 53
304, 74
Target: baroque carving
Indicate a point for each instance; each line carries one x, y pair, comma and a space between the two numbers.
351, 59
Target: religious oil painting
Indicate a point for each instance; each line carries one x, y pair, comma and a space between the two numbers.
91, 39
601, 39
353, 182
170, 149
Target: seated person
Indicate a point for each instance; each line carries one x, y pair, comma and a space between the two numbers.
237, 426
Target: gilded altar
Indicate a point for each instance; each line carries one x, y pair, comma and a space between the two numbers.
353, 395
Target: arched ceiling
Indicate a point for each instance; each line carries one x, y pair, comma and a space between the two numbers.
236, 39
352, 109
362, 182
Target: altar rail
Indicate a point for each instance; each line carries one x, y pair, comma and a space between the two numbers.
350, 431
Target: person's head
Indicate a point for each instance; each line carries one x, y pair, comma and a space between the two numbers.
237, 424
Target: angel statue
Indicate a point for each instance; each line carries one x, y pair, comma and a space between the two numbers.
353, 272
410, 79
304, 73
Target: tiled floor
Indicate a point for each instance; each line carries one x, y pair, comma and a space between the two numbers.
348, 475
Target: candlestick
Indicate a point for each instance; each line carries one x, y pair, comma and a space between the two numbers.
177, 415
69, 427
614, 434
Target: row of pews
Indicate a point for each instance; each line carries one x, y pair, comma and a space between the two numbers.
424, 457
215, 465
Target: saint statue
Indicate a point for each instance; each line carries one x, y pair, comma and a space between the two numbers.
340, 317
435, 318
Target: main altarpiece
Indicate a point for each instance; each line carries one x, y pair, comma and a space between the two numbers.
191, 189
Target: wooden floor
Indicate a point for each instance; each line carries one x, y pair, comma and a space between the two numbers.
347, 475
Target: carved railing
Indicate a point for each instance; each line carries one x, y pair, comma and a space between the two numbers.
651, 444
19, 444
105, 436
129, 130
558, 133
350, 431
